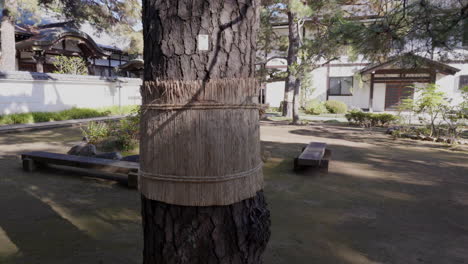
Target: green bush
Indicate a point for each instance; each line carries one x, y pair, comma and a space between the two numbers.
315, 107
43, 116
370, 119
23, 118
73, 113
273, 109
123, 134
127, 132
96, 131
356, 117
385, 119
336, 107
116, 110
80, 113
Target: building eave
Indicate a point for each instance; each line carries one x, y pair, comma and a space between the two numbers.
415, 62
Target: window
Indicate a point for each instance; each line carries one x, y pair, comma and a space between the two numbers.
341, 86
463, 81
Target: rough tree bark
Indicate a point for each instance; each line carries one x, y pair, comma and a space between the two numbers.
236, 233
291, 80
296, 95
7, 37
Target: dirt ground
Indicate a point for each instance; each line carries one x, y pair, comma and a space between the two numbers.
383, 201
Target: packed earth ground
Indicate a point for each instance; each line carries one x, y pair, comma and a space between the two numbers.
382, 201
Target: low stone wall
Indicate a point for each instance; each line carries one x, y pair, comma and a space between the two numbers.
22, 92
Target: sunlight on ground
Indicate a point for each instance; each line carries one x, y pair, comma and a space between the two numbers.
394, 195
368, 171
92, 225
7, 247
346, 216
350, 255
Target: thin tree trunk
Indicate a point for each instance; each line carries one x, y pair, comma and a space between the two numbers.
7, 38
297, 89
293, 49
235, 233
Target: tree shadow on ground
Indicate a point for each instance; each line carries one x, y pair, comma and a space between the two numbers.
379, 203
375, 136
59, 216
369, 208
61, 135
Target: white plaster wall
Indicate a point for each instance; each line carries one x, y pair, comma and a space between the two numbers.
378, 102
274, 93
359, 99
19, 96
319, 84
449, 83
361, 90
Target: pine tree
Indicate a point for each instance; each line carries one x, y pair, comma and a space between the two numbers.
180, 232
7, 35
117, 16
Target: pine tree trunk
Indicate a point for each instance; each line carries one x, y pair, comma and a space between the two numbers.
295, 110
7, 31
231, 234
291, 79
235, 233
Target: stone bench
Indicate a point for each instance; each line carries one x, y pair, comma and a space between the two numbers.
32, 160
315, 154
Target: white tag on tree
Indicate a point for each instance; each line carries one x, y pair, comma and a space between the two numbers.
203, 43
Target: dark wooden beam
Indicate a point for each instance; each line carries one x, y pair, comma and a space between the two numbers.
110, 65
400, 71
401, 79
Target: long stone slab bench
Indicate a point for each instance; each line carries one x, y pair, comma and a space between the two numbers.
315, 154
32, 160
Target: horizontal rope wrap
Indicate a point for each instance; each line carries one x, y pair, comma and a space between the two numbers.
199, 106
200, 179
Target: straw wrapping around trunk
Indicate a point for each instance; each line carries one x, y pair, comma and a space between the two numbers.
200, 142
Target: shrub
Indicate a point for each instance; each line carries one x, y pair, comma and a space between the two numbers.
273, 109
315, 107
385, 119
73, 113
23, 118
43, 116
336, 107
116, 110
127, 132
96, 131
123, 134
356, 116
79, 113
369, 119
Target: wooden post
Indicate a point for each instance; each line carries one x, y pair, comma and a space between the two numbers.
110, 65
28, 165
132, 180
328, 80
40, 59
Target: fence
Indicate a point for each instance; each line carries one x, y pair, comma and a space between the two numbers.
22, 92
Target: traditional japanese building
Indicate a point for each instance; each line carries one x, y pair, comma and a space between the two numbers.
37, 45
